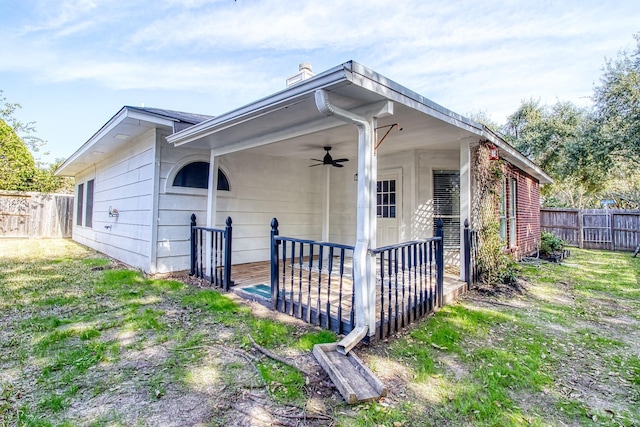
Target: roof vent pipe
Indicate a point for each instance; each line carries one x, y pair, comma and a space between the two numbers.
305, 72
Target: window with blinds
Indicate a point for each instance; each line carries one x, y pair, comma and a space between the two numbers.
513, 236
88, 217
446, 205
79, 204
503, 210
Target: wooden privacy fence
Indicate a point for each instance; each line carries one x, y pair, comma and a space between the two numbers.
33, 215
614, 229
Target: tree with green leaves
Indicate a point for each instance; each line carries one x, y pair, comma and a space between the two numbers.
617, 107
24, 130
17, 167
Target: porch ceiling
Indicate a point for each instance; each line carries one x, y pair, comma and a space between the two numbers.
419, 132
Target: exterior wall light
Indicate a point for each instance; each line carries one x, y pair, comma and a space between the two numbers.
113, 212
493, 153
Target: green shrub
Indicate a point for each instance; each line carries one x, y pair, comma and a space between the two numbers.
550, 243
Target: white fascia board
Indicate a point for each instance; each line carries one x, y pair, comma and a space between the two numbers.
279, 100
106, 128
385, 87
369, 79
150, 117
113, 123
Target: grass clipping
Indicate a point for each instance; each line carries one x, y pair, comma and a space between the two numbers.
494, 264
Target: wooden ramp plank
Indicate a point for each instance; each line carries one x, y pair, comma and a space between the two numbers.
351, 376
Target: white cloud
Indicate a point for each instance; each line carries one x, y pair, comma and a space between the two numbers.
67, 16
480, 52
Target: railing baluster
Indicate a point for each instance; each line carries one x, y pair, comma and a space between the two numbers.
309, 280
395, 282
200, 270
340, 291
416, 311
404, 285
213, 257
283, 290
319, 304
390, 309
329, 270
293, 261
301, 260
382, 327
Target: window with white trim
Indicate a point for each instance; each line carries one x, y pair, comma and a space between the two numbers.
88, 216
513, 236
503, 210
386, 198
196, 175
79, 204
446, 205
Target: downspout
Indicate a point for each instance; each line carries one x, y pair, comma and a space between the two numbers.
361, 263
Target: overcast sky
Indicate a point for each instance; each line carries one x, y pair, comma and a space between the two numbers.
73, 64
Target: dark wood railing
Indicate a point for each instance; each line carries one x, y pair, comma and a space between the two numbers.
410, 282
471, 270
313, 281
211, 253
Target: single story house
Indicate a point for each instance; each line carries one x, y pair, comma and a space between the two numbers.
390, 163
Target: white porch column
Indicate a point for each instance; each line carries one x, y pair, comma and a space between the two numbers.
326, 203
212, 197
465, 194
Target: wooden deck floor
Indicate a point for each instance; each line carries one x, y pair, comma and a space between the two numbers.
250, 274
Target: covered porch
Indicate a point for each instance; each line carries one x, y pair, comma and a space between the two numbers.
404, 165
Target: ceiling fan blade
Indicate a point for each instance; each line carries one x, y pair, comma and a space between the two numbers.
317, 160
317, 164
341, 160
338, 165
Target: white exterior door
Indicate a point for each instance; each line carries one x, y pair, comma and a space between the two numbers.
389, 203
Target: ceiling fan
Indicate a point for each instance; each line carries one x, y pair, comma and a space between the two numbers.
328, 160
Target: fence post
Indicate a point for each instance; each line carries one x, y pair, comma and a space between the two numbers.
467, 254
440, 262
193, 245
613, 243
228, 236
580, 229
275, 268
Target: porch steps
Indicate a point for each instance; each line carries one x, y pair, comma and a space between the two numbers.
351, 376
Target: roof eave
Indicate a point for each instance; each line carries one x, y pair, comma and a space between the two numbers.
517, 158
280, 99
113, 123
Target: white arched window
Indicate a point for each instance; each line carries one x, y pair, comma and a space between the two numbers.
192, 176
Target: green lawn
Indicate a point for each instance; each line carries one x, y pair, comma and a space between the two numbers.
87, 343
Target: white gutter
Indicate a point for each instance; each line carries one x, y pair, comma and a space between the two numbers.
363, 261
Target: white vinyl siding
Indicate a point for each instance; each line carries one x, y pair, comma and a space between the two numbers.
122, 181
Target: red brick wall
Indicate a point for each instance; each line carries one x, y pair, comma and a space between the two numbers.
527, 211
